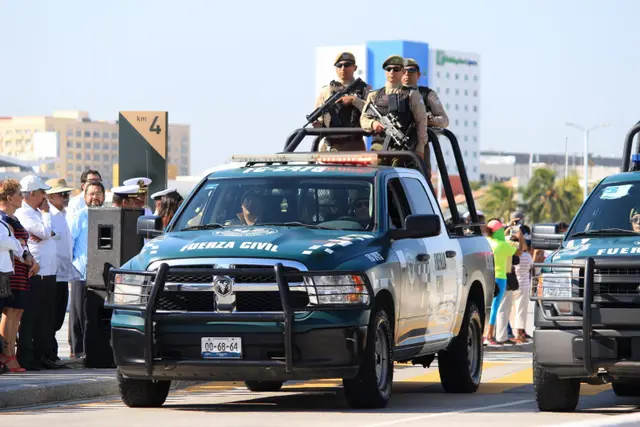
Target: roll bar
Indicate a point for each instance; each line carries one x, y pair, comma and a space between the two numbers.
295, 138
628, 145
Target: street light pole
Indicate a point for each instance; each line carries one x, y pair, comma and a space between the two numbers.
586, 151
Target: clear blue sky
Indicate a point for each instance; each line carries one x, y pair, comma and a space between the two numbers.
241, 73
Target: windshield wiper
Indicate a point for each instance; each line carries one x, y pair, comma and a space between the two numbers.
203, 227
606, 231
296, 224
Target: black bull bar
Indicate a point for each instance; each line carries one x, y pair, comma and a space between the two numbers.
158, 279
587, 282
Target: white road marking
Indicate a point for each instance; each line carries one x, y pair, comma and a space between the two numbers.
443, 414
617, 420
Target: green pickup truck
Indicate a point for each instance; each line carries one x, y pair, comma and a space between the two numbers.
587, 293
299, 266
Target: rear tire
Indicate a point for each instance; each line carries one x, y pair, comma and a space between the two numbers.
626, 388
264, 385
142, 393
371, 388
460, 365
554, 394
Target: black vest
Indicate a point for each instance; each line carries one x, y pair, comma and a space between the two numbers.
425, 91
346, 116
401, 109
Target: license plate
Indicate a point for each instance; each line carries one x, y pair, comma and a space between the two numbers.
221, 348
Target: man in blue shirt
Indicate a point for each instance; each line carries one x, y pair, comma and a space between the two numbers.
79, 229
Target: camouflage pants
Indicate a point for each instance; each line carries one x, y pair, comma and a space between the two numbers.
355, 144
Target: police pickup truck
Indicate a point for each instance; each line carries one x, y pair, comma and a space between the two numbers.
587, 294
300, 266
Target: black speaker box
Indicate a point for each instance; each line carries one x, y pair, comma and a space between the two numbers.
113, 240
97, 337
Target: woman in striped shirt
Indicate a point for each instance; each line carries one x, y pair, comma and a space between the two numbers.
25, 267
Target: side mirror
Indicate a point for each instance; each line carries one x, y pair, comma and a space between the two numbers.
418, 227
546, 236
149, 226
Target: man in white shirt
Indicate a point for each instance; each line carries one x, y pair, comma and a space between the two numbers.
143, 183
77, 202
58, 197
37, 329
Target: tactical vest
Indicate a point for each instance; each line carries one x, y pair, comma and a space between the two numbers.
346, 116
402, 111
425, 91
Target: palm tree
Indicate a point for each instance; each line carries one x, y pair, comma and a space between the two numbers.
548, 200
499, 201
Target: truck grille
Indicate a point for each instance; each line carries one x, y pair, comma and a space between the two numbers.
199, 277
617, 281
245, 301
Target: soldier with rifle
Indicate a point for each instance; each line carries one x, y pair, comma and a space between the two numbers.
340, 105
437, 116
397, 115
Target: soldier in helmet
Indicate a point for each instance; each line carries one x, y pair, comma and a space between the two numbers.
347, 110
405, 103
437, 116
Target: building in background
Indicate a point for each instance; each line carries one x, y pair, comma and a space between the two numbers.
68, 142
454, 75
500, 166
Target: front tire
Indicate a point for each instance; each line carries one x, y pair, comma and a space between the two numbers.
555, 394
460, 365
142, 393
628, 388
371, 388
263, 386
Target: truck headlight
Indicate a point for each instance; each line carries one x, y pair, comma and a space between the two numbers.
130, 289
553, 285
349, 289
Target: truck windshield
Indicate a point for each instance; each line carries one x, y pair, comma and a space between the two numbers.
611, 209
343, 204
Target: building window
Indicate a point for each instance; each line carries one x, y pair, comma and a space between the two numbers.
78, 133
183, 150
466, 77
475, 169
475, 154
114, 135
96, 134
475, 124
475, 108
457, 92
466, 138
79, 168
438, 89
457, 107
78, 156
114, 147
70, 156
447, 105
69, 132
69, 144
105, 145
446, 91
466, 92
105, 157
438, 74
87, 156
457, 122
105, 134
475, 78
475, 93
457, 76
96, 157
114, 158
466, 123
466, 154
475, 139
448, 75
96, 145
87, 134
69, 167
79, 145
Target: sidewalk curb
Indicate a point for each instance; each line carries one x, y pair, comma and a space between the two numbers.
520, 348
46, 394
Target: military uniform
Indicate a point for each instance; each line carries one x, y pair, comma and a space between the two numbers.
143, 184
343, 115
157, 198
412, 111
126, 192
437, 116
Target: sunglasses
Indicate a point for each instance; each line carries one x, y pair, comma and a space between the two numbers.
394, 69
344, 65
635, 219
411, 70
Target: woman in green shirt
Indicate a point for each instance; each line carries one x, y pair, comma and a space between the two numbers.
502, 254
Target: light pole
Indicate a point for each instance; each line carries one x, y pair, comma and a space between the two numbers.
586, 151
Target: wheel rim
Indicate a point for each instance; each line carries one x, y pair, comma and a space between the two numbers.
473, 344
381, 358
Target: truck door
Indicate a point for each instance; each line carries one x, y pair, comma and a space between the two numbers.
445, 259
410, 272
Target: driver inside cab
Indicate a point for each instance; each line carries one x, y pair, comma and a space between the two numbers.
361, 211
250, 210
634, 219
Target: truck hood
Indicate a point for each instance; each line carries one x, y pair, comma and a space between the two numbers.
599, 247
317, 249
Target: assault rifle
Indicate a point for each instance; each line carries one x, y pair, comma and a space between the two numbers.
330, 103
392, 131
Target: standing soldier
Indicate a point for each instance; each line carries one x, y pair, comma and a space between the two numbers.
141, 201
437, 116
405, 103
347, 111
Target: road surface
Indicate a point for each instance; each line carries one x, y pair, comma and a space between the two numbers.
505, 398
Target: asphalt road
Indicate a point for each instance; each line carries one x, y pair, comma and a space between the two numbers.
505, 398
